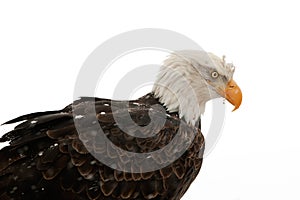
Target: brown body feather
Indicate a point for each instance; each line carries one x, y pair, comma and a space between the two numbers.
48, 159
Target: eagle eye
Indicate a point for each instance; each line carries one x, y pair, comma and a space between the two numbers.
214, 74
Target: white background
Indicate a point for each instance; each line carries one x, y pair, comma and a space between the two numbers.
43, 45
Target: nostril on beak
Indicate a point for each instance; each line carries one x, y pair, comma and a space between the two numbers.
231, 86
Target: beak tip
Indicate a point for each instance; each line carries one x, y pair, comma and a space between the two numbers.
235, 108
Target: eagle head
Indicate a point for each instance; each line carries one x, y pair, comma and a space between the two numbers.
188, 79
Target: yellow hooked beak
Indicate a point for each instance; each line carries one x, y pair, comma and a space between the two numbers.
233, 94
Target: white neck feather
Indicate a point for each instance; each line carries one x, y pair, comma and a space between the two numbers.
181, 87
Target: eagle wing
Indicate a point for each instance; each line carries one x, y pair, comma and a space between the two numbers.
100, 149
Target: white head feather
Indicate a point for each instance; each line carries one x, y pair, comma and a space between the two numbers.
185, 83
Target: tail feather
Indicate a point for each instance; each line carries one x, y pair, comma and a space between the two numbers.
32, 125
30, 116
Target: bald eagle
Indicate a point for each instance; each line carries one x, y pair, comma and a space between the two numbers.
90, 150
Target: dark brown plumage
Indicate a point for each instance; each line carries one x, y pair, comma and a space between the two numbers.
47, 159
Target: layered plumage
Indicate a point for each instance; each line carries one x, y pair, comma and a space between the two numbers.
149, 148
46, 158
